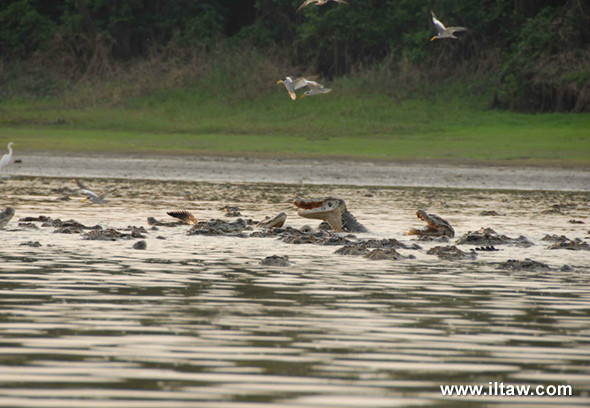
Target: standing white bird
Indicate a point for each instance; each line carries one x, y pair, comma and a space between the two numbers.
315, 88
444, 32
92, 196
6, 158
318, 3
291, 85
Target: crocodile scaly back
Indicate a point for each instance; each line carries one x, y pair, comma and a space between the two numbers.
350, 224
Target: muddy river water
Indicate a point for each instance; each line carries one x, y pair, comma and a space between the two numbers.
197, 321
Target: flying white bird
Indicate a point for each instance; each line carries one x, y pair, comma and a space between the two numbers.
314, 88
92, 196
318, 3
444, 32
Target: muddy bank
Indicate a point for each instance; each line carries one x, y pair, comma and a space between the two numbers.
304, 171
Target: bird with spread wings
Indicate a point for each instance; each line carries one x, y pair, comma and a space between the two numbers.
318, 3
444, 32
92, 196
314, 88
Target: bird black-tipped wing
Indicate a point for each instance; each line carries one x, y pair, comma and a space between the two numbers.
184, 216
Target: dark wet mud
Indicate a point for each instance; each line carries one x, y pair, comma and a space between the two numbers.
103, 309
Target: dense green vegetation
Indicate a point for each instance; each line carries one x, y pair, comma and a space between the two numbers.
534, 53
200, 76
346, 124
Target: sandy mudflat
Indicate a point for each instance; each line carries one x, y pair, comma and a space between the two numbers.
307, 171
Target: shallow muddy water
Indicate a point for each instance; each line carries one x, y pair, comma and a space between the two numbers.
197, 321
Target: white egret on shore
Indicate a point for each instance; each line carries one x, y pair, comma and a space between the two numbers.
5, 161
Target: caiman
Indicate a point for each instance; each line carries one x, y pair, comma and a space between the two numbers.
436, 226
329, 209
273, 222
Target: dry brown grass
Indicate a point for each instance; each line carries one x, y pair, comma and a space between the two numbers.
561, 89
86, 78
80, 72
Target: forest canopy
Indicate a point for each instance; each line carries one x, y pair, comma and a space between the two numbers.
536, 53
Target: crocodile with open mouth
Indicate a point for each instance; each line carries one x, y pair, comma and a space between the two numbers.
436, 226
329, 209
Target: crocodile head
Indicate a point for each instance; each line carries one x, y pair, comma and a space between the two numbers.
329, 209
273, 222
435, 226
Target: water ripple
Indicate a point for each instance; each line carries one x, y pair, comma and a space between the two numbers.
197, 321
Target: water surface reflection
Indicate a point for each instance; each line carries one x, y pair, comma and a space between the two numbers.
196, 321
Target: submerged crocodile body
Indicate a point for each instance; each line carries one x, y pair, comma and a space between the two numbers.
6, 216
329, 209
276, 260
336, 217
489, 237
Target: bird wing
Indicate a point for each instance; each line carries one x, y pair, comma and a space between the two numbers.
79, 183
315, 88
299, 83
86, 191
454, 29
89, 193
184, 216
305, 3
108, 193
313, 84
439, 26
341, 1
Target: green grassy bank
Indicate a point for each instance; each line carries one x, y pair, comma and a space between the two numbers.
345, 123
